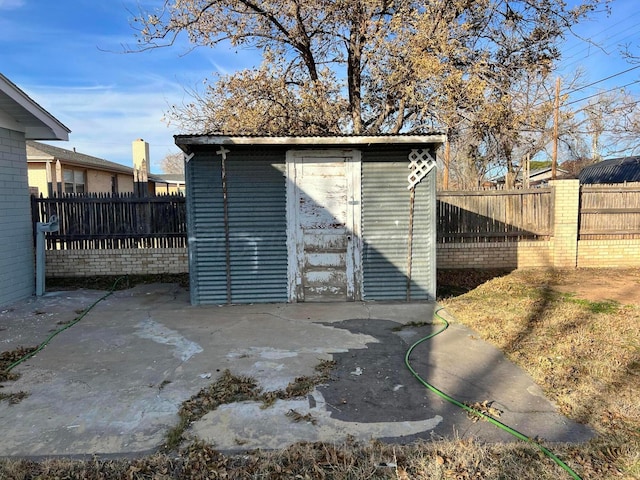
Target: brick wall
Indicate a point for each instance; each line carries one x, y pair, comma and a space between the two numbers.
134, 261
566, 211
609, 253
564, 250
495, 255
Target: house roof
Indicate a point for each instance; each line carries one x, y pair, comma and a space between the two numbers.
533, 174
41, 151
172, 177
616, 170
21, 113
37, 151
185, 141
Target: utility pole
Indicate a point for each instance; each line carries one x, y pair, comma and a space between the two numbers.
556, 115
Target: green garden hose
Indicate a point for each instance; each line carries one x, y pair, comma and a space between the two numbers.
62, 329
473, 411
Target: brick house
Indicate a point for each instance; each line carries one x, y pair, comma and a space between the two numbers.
21, 120
54, 169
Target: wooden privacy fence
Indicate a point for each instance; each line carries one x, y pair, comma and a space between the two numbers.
609, 212
106, 221
495, 215
113, 221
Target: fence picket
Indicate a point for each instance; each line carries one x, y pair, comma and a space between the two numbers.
494, 215
105, 221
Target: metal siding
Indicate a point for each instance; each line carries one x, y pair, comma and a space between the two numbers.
385, 223
617, 170
423, 270
207, 263
257, 229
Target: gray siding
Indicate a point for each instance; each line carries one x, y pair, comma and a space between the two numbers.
207, 260
16, 248
257, 229
385, 227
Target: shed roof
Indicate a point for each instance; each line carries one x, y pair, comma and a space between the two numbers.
616, 170
21, 113
185, 142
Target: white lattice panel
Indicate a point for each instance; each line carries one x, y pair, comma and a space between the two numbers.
420, 163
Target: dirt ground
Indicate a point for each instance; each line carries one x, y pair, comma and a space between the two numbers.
594, 284
597, 285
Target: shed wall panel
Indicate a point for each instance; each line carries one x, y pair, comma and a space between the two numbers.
257, 229
256, 209
385, 229
207, 257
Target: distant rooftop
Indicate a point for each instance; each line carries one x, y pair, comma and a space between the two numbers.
616, 170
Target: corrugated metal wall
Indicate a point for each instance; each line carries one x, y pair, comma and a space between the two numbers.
256, 192
207, 260
257, 229
385, 228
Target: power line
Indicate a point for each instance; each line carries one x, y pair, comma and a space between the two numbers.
602, 80
600, 93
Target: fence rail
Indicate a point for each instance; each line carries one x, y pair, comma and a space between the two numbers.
110, 221
609, 211
495, 215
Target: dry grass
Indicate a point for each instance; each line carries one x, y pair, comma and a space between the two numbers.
584, 354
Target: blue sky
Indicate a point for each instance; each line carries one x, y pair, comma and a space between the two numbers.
67, 55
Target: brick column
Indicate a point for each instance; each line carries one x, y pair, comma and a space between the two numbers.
566, 211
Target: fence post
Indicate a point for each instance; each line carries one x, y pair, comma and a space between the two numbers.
566, 216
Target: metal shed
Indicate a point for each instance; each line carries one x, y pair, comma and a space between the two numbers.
299, 219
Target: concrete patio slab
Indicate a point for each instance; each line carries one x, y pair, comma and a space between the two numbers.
113, 383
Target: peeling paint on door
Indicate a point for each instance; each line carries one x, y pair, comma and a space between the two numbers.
323, 215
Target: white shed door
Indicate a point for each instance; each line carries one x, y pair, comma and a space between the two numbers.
323, 224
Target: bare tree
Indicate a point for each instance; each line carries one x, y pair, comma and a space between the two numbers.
373, 66
388, 62
172, 163
607, 124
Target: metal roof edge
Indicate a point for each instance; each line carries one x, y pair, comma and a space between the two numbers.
338, 140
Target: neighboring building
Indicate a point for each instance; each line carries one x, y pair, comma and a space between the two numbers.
616, 170
54, 169
21, 120
537, 178
297, 219
173, 183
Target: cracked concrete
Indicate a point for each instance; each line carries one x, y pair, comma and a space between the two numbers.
113, 383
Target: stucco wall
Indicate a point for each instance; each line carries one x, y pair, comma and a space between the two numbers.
16, 247
38, 177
